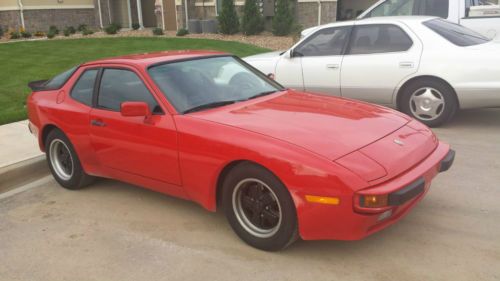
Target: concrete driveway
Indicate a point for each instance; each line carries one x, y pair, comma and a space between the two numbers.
115, 231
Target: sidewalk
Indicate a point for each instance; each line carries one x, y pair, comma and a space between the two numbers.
17, 144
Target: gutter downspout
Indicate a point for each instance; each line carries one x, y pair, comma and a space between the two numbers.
186, 12
100, 13
21, 12
319, 12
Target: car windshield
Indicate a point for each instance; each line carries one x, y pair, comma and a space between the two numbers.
456, 34
199, 84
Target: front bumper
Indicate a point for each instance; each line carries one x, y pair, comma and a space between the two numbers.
344, 222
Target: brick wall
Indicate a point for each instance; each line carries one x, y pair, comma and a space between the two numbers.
35, 20
10, 19
307, 13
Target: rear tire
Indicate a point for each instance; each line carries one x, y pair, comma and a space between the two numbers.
429, 101
64, 163
259, 208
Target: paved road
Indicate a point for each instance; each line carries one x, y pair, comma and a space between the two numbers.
115, 231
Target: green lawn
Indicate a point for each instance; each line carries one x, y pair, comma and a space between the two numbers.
23, 62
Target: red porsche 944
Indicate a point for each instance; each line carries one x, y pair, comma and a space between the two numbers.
207, 127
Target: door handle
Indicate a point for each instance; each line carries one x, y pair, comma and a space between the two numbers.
406, 64
97, 123
332, 66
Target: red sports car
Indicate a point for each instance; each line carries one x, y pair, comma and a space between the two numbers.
207, 127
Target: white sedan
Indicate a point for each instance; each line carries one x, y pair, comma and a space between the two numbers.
426, 67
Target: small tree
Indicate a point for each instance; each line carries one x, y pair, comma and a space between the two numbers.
228, 19
283, 19
252, 21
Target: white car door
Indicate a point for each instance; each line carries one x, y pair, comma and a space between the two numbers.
317, 60
378, 58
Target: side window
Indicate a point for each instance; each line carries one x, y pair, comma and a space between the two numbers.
325, 42
383, 38
119, 85
84, 87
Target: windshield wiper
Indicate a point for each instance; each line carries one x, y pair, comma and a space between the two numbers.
262, 94
209, 105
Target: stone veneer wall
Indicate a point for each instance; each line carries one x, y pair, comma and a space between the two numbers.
307, 13
10, 20
40, 20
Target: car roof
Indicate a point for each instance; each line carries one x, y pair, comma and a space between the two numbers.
406, 19
147, 59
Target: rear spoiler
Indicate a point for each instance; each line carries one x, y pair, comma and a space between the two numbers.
37, 85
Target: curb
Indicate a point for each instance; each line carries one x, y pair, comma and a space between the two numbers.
23, 172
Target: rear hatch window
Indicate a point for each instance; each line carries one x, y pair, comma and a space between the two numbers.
53, 84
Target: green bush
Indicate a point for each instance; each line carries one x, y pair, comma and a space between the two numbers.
86, 32
182, 32
283, 19
71, 30
82, 27
157, 31
67, 32
51, 34
54, 29
26, 34
135, 26
15, 35
228, 19
252, 22
112, 28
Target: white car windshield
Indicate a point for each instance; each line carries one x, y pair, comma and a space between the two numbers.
204, 83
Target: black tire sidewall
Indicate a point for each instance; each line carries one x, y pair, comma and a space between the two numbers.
78, 178
448, 93
287, 232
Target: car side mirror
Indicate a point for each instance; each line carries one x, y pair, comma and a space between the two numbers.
135, 109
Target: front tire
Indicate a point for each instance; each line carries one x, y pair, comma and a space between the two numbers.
64, 163
429, 101
259, 208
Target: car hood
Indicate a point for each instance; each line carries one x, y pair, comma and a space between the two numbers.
329, 126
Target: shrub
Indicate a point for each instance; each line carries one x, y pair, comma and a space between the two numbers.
182, 32
252, 21
71, 30
66, 32
82, 27
228, 19
86, 32
112, 28
26, 34
51, 34
1, 32
135, 26
53, 29
15, 35
39, 34
283, 19
157, 31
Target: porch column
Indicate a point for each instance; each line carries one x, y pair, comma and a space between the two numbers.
139, 14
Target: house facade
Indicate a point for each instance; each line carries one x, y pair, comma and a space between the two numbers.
38, 15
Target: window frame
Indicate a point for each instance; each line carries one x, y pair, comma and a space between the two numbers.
349, 46
310, 37
99, 69
97, 89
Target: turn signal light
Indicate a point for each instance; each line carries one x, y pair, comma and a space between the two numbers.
373, 201
323, 200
